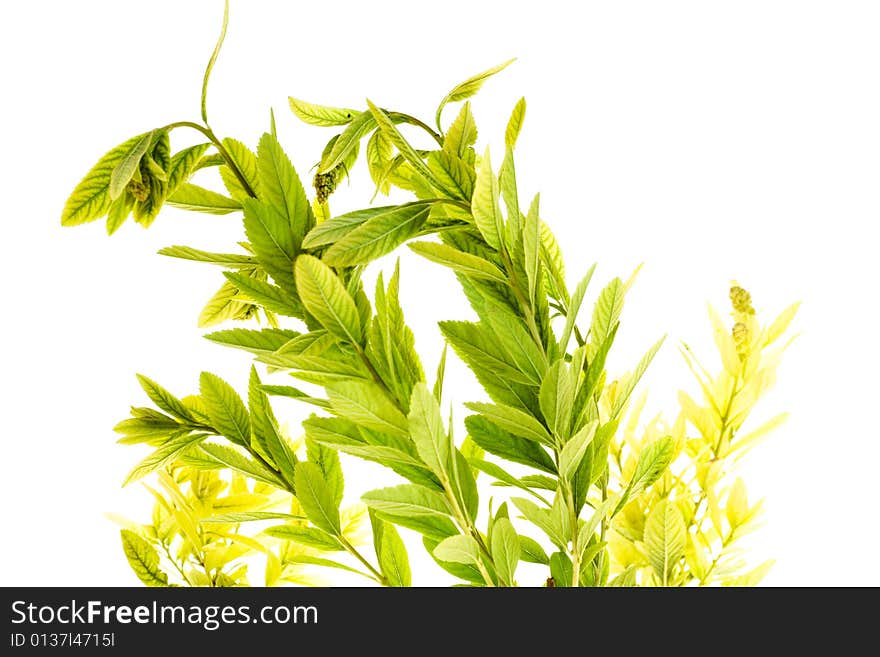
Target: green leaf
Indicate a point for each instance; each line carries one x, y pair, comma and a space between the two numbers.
164, 455
561, 569
225, 408
271, 297
226, 304
321, 115
542, 519
152, 171
282, 192
250, 516
326, 298
453, 173
532, 246
414, 507
183, 165
122, 173
272, 241
327, 459
574, 450
441, 375
310, 536
469, 573
531, 551
506, 550
458, 549
379, 235
653, 461
507, 184
379, 153
517, 422
223, 259
334, 229
235, 460
665, 537
90, 199
316, 498
143, 559
387, 126
246, 162
626, 388
265, 430
198, 199
464, 263
514, 125
295, 393
484, 204
426, 428
150, 428
607, 311
503, 477
252, 340
365, 404
347, 141
165, 400
468, 88
462, 134
574, 308
512, 336
318, 561
556, 398
119, 211
391, 552
551, 256
502, 443
480, 350
464, 483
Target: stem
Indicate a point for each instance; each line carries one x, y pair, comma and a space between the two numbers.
175, 564
352, 550
523, 302
697, 522
220, 149
724, 543
575, 530
414, 121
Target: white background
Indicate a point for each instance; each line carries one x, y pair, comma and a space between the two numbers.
708, 140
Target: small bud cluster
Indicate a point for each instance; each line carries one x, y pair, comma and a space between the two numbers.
744, 313
325, 184
741, 300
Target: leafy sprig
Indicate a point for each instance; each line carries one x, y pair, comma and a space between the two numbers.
556, 429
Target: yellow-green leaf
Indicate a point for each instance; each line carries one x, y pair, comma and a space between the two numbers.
143, 559
469, 87
379, 235
514, 125
464, 263
484, 205
90, 199
316, 498
665, 539
125, 169
326, 298
321, 115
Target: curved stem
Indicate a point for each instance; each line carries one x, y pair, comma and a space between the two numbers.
416, 122
221, 149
